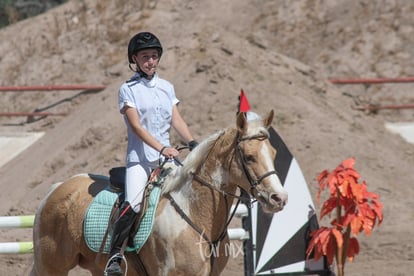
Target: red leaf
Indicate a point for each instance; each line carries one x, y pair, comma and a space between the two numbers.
324, 242
357, 192
348, 163
343, 188
353, 249
327, 207
347, 219
366, 194
356, 225
330, 251
315, 243
377, 208
322, 183
322, 175
338, 237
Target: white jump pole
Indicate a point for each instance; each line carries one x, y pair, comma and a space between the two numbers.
238, 234
241, 210
17, 221
16, 247
27, 247
27, 221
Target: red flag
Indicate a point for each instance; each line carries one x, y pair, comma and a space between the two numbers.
244, 105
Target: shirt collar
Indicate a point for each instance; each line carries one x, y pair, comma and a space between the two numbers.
148, 83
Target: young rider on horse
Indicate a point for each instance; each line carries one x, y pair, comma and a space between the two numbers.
149, 107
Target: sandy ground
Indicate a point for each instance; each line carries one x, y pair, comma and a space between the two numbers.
280, 52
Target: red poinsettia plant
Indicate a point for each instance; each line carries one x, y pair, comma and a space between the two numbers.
355, 210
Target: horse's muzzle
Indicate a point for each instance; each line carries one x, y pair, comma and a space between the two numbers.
274, 202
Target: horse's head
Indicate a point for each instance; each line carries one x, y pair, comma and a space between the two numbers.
256, 156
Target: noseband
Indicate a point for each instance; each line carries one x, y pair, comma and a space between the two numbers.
252, 181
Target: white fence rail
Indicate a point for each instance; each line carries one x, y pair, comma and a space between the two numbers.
27, 222
17, 221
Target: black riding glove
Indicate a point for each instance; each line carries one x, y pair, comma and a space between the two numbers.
192, 144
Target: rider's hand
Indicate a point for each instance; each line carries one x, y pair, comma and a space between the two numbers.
169, 152
192, 144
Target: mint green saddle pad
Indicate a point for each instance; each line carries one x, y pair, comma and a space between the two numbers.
97, 218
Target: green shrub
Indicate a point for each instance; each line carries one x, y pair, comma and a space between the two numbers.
12, 11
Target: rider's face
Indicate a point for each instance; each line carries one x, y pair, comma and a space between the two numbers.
147, 61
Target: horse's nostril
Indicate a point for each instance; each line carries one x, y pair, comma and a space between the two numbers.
275, 198
279, 199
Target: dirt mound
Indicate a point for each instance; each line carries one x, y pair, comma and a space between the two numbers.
281, 53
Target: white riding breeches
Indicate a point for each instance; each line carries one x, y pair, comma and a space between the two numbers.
136, 178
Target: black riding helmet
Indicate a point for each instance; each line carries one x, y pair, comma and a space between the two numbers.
143, 40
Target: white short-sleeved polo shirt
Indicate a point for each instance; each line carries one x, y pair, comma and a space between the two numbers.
154, 100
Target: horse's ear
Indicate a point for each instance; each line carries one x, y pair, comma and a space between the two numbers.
241, 122
268, 121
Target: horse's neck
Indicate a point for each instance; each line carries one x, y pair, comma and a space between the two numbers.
210, 209
212, 189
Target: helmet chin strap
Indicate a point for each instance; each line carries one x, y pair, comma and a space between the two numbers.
130, 67
139, 71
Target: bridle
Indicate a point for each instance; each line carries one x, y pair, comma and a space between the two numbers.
252, 181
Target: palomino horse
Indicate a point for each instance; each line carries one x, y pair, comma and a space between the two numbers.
192, 215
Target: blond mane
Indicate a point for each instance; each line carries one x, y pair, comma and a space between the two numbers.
190, 163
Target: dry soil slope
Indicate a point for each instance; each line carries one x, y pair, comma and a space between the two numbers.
209, 58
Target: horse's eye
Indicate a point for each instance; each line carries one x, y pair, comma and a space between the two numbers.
249, 158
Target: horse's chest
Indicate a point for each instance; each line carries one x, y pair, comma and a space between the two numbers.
168, 224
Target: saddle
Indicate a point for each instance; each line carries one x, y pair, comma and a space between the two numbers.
104, 210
